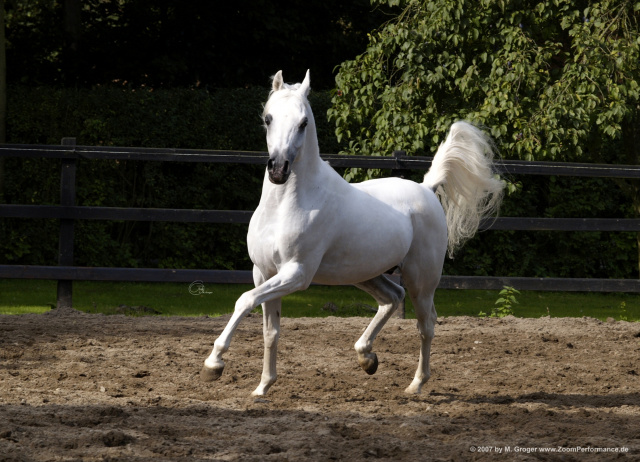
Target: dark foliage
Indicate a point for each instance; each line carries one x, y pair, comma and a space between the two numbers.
176, 43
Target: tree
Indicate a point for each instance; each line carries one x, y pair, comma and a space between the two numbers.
550, 79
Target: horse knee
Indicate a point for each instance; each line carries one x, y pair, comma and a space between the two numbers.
271, 339
246, 302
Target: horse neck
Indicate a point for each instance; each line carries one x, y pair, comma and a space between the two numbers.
307, 175
309, 158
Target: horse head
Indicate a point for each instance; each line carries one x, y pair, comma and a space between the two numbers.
286, 116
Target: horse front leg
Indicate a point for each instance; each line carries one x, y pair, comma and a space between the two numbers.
271, 330
291, 278
214, 365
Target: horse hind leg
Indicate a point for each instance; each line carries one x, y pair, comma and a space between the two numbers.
388, 295
426, 319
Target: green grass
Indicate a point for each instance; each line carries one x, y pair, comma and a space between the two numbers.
34, 296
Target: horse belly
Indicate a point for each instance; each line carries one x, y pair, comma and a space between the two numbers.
366, 252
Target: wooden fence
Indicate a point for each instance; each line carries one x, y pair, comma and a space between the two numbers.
68, 212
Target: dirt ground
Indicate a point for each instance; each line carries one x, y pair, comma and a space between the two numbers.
76, 386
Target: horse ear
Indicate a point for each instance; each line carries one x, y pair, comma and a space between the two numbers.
305, 86
277, 81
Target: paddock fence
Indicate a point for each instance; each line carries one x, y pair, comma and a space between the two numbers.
68, 213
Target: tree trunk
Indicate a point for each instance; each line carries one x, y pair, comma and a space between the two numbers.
634, 146
631, 134
72, 32
3, 95
636, 208
631, 156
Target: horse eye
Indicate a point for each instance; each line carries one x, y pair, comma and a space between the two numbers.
268, 119
303, 125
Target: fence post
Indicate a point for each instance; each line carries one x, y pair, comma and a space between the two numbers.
399, 172
65, 248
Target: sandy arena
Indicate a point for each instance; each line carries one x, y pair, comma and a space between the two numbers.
86, 387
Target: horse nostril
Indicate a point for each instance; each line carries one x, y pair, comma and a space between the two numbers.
286, 167
270, 165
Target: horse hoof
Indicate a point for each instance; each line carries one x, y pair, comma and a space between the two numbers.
209, 374
370, 364
413, 389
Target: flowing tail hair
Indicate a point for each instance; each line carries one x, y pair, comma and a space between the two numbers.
462, 177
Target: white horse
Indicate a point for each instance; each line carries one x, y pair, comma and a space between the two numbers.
313, 226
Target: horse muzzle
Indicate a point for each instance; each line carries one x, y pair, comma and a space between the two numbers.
278, 171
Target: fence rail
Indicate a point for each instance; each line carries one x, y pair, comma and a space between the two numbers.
243, 216
68, 212
397, 162
81, 273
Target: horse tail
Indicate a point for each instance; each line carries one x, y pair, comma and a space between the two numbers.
462, 177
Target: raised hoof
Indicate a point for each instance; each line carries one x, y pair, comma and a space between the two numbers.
208, 374
370, 364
